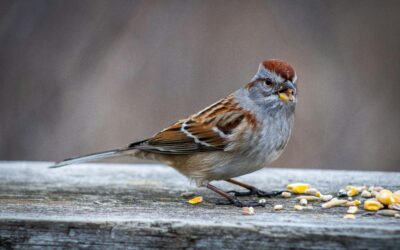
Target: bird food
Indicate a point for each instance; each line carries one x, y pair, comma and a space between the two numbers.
248, 211
196, 200
298, 188
372, 205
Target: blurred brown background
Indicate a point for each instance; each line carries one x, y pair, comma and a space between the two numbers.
84, 76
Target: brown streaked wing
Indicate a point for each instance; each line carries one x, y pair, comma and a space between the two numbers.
206, 131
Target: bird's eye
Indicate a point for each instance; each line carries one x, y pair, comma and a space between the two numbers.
268, 82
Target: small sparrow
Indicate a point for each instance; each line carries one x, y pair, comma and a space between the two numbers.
237, 135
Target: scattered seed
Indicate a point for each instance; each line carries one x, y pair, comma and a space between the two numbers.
342, 193
396, 196
326, 197
262, 201
385, 197
334, 203
286, 194
307, 198
352, 203
352, 210
351, 191
372, 205
395, 206
374, 193
248, 211
298, 188
388, 212
378, 189
349, 216
313, 192
298, 207
278, 207
360, 189
303, 202
196, 200
366, 194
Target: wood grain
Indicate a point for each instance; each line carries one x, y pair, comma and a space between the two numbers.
104, 206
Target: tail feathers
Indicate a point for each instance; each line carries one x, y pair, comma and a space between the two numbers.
92, 157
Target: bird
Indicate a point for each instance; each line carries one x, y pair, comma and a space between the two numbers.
237, 135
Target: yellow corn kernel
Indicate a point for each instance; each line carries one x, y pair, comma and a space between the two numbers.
386, 197
372, 205
196, 200
396, 196
351, 191
298, 188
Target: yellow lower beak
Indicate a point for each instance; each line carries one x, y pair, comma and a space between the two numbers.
286, 97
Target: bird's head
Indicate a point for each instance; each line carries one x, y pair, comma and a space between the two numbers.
274, 83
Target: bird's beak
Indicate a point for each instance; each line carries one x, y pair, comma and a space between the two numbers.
287, 92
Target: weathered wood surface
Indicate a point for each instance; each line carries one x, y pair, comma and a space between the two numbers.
111, 206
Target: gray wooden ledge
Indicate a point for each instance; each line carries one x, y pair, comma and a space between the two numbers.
115, 206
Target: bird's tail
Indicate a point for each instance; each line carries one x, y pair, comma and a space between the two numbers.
93, 157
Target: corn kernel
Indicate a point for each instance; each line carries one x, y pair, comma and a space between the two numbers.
298, 188
278, 207
351, 191
386, 197
396, 196
196, 200
372, 205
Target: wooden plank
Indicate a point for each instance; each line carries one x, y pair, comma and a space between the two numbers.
118, 206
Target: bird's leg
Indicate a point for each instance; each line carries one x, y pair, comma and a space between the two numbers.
232, 199
252, 190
